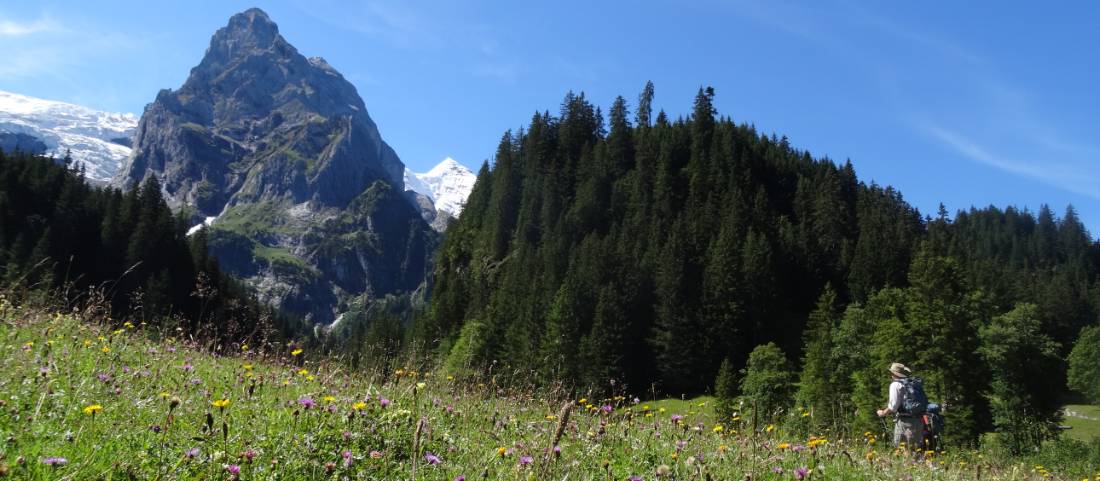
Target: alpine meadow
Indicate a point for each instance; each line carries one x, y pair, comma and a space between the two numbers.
247, 282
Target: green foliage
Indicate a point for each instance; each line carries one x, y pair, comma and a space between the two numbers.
1084, 364
151, 415
821, 387
768, 382
124, 253
725, 390
1023, 394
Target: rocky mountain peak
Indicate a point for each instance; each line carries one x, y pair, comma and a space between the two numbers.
306, 198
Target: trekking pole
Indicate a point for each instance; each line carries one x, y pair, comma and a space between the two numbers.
885, 430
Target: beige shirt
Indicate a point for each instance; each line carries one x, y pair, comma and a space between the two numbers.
894, 404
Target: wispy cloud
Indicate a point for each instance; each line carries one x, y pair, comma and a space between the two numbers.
392, 21
49, 47
15, 28
1068, 170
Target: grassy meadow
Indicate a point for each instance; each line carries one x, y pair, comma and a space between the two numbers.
85, 401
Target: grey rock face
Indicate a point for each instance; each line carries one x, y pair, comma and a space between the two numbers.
281, 150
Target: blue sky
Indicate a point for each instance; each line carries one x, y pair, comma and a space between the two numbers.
965, 103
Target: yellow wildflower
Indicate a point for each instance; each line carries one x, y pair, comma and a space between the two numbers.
328, 399
247, 367
359, 406
105, 349
220, 403
92, 409
296, 352
717, 428
770, 428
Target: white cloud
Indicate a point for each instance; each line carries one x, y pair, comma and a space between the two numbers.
1067, 169
14, 28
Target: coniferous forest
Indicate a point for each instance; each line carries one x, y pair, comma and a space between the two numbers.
646, 254
125, 256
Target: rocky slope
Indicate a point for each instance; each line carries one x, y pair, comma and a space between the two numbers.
98, 140
306, 198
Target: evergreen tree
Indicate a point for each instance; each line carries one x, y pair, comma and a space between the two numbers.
1023, 394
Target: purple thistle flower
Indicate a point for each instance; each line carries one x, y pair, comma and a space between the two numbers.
383, 401
155, 428
191, 453
233, 469
104, 377
777, 470
526, 460
431, 458
307, 402
680, 444
801, 473
606, 408
676, 418
460, 478
187, 367
634, 478
347, 458
55, 461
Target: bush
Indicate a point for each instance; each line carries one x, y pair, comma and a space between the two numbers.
768, 383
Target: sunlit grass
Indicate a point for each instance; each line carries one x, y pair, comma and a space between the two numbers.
81, 401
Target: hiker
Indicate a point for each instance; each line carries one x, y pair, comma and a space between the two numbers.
907, 404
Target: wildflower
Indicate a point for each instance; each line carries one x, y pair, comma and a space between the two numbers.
383, 402
431, 458
777, 470
501, 451
606, 408
128, 325
420, 386
783, 446
328, 399
233, 469
677, 419
187, 367
347, 458
526, 460
801, 473
770, 428
247, 366
376, 455
718, 428
634, 478
105, 349
248, 455
296, 352
155, 428
191, 453
307, 402
92, 409
220, 403
460, 478
359, 406
55, 461
663, 470
303, 372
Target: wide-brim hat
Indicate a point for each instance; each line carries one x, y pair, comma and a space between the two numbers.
898, 369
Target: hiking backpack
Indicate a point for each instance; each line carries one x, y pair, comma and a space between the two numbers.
933, 420
913, 402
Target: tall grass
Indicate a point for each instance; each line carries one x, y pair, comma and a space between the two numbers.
87, 400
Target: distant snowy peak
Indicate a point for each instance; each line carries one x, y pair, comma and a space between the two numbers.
98, 140
447, 184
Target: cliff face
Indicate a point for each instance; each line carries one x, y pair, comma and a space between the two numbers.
279, 149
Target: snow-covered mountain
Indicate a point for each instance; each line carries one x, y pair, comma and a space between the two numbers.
99, 140
447, 184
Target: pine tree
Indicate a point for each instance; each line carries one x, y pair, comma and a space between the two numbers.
768, 382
